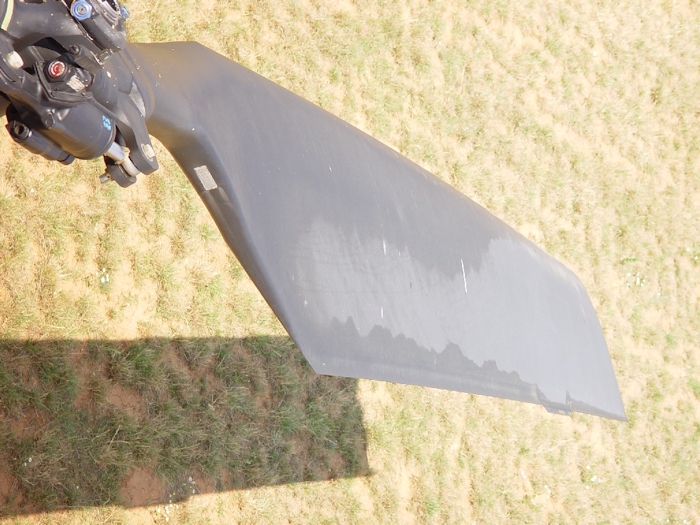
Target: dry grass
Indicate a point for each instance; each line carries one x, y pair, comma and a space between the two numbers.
577, 123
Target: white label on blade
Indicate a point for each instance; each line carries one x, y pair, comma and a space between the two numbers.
204, 176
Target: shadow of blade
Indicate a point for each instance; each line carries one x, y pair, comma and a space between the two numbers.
87, 423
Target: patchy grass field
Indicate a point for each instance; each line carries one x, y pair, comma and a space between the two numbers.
138, 363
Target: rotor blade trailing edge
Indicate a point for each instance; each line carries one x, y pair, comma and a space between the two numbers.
376, 268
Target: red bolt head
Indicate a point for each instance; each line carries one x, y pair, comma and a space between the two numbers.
57, 69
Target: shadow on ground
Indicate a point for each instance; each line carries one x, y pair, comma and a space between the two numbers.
87, 423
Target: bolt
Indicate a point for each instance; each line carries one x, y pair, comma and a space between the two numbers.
105, 178
147, 150
48, 121
14, 60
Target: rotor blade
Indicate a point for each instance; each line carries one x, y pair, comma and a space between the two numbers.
375, 267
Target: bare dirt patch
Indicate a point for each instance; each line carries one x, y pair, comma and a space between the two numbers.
29, 424
125, 400
10, 495
142, 488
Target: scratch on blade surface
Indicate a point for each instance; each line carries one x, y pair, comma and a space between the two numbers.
464, 276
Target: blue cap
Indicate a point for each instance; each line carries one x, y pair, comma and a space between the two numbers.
81, 10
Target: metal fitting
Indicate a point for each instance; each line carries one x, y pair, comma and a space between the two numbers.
81, 10
119, 156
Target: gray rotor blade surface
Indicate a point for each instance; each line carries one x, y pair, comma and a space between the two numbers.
376, 268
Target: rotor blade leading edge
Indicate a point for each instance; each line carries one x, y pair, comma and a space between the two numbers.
376, 268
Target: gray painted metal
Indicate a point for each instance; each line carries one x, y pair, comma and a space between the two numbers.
375, 267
